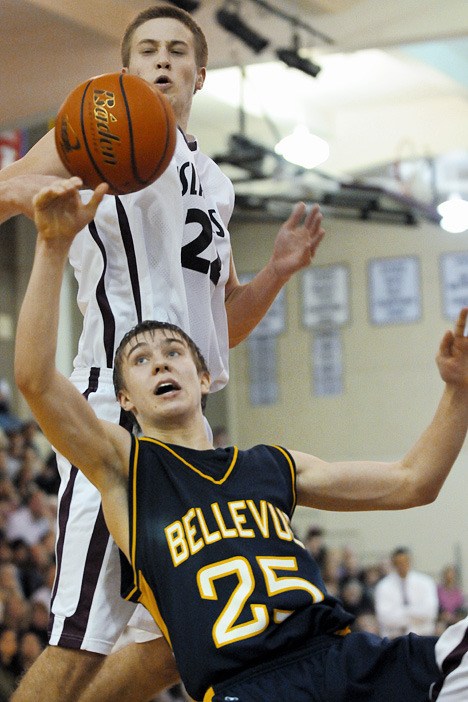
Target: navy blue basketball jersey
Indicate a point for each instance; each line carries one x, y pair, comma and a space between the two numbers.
215, 560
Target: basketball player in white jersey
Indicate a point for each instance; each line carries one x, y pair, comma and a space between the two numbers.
128, 268
452, 658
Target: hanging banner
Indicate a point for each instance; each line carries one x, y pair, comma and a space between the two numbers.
394, 290
12, 146
454, 278
325, 296
263, 355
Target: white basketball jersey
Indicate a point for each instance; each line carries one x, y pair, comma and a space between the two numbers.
128, 262
208, 198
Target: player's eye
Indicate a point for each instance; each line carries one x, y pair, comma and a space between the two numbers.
140, 360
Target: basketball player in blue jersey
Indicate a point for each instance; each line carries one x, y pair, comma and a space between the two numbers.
128, 266
207, 531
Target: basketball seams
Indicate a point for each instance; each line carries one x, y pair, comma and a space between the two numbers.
136, 175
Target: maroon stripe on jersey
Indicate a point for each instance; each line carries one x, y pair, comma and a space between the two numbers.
127, 241
74, 627
103, 302
451, 663
65, 502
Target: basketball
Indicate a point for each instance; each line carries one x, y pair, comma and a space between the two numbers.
115, 128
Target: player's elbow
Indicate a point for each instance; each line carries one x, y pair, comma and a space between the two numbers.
30, 383
421, 494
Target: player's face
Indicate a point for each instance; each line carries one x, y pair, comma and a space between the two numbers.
162, 382
163, 53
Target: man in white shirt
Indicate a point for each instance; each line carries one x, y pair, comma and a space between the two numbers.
406, 600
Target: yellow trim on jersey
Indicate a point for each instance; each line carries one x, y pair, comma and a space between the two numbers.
209, 694
134, 506
343, 632
293, 472
148, 599
189, 465
132, 592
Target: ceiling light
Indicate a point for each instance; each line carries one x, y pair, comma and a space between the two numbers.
454, 212
292, 59
303, 148
231, 21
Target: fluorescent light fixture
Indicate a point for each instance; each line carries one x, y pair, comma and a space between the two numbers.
303, 148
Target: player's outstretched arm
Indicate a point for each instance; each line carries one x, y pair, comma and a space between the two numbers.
65, 417
417, 478
294, 248
22, 180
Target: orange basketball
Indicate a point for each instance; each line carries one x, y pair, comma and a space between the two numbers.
115, 128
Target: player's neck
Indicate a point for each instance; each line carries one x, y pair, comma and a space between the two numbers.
189, 434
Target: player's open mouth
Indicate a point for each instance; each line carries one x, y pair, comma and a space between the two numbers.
166, 387
163, 82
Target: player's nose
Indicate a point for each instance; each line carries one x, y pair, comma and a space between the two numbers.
163, 59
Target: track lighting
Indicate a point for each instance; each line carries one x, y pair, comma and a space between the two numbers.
292, 59
232, 22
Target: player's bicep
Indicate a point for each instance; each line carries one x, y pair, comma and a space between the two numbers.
347, 485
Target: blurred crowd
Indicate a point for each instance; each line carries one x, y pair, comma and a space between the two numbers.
387, 598
28, 506
390, 597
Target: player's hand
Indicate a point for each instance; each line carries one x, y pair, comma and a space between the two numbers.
23, 188
452, 358
59, 212
297, 240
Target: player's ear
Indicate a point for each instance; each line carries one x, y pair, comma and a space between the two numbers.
205, 382
125, 402
201, 75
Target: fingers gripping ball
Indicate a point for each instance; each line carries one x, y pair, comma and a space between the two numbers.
115, 128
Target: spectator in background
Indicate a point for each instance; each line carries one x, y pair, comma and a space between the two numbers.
314, 543
44, 593
39, 621
35, 439
406, 600
49, 479
10, 664
451, 596
33, 520
24, 559
354, 598
15, 452
370, 576
17, 612
350, 567
30, 647
8, 420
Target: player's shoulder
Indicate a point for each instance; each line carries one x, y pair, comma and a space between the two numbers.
272, 451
